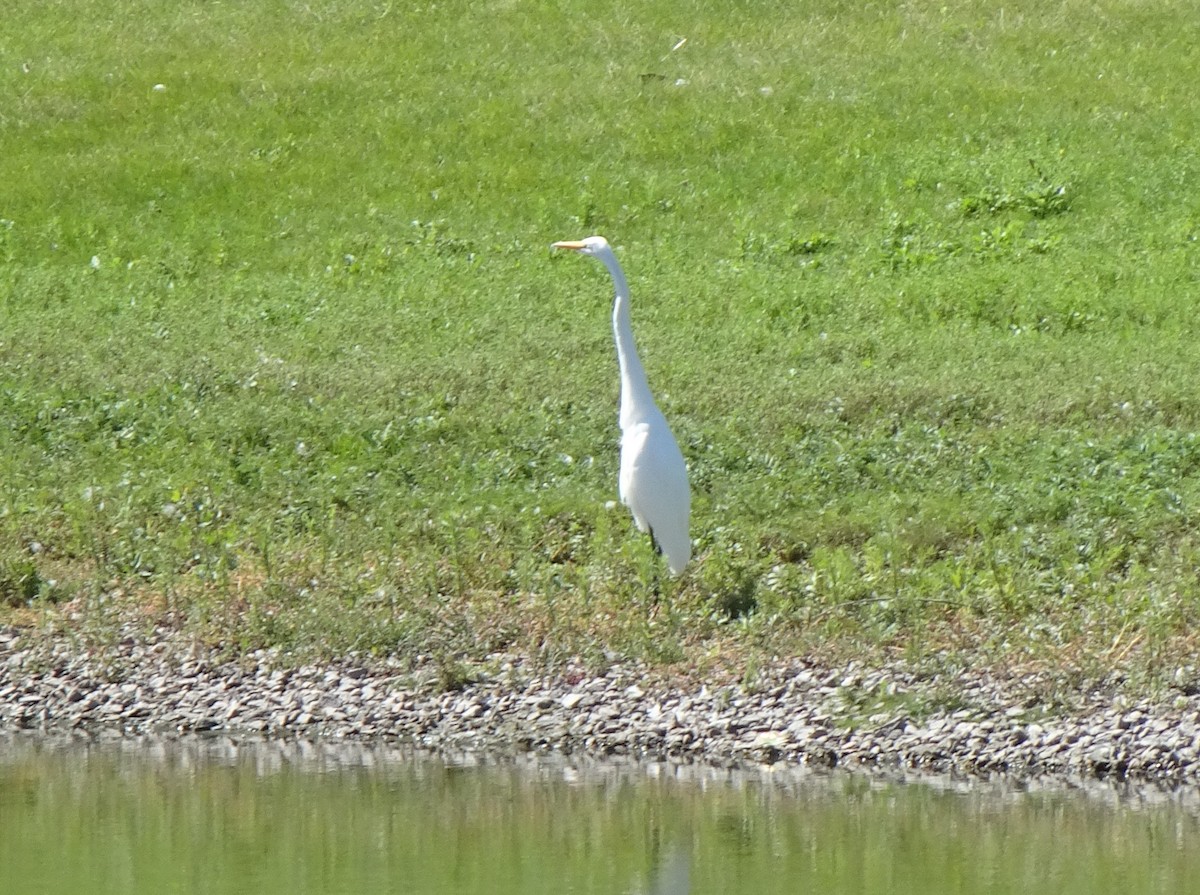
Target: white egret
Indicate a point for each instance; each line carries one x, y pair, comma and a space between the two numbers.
653, 479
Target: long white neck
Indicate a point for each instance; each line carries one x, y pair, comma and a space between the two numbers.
637, 404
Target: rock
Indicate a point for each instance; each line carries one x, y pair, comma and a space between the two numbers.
787, 714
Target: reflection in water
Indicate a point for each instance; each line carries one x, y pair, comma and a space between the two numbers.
224, 815
671, 875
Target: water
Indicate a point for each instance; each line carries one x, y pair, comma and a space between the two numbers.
218, 816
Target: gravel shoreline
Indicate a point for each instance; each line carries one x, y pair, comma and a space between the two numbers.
795, 714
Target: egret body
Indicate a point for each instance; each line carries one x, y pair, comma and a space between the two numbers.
653, 480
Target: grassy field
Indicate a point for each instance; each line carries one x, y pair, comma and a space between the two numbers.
285, 358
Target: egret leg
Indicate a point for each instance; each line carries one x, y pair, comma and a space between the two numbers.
655, 575
654, 541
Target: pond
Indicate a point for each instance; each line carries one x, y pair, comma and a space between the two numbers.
221, 815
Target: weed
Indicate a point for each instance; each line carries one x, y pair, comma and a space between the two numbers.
1040, 199
20, 582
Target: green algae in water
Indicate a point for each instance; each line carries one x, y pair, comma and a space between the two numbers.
219, 816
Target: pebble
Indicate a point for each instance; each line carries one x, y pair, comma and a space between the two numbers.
793, 713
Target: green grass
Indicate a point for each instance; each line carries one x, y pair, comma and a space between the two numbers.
284, 356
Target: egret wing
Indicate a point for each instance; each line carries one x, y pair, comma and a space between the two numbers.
654, 485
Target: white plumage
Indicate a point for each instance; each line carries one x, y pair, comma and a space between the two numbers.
653, 479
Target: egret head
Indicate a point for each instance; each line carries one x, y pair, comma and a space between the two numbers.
592, 245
